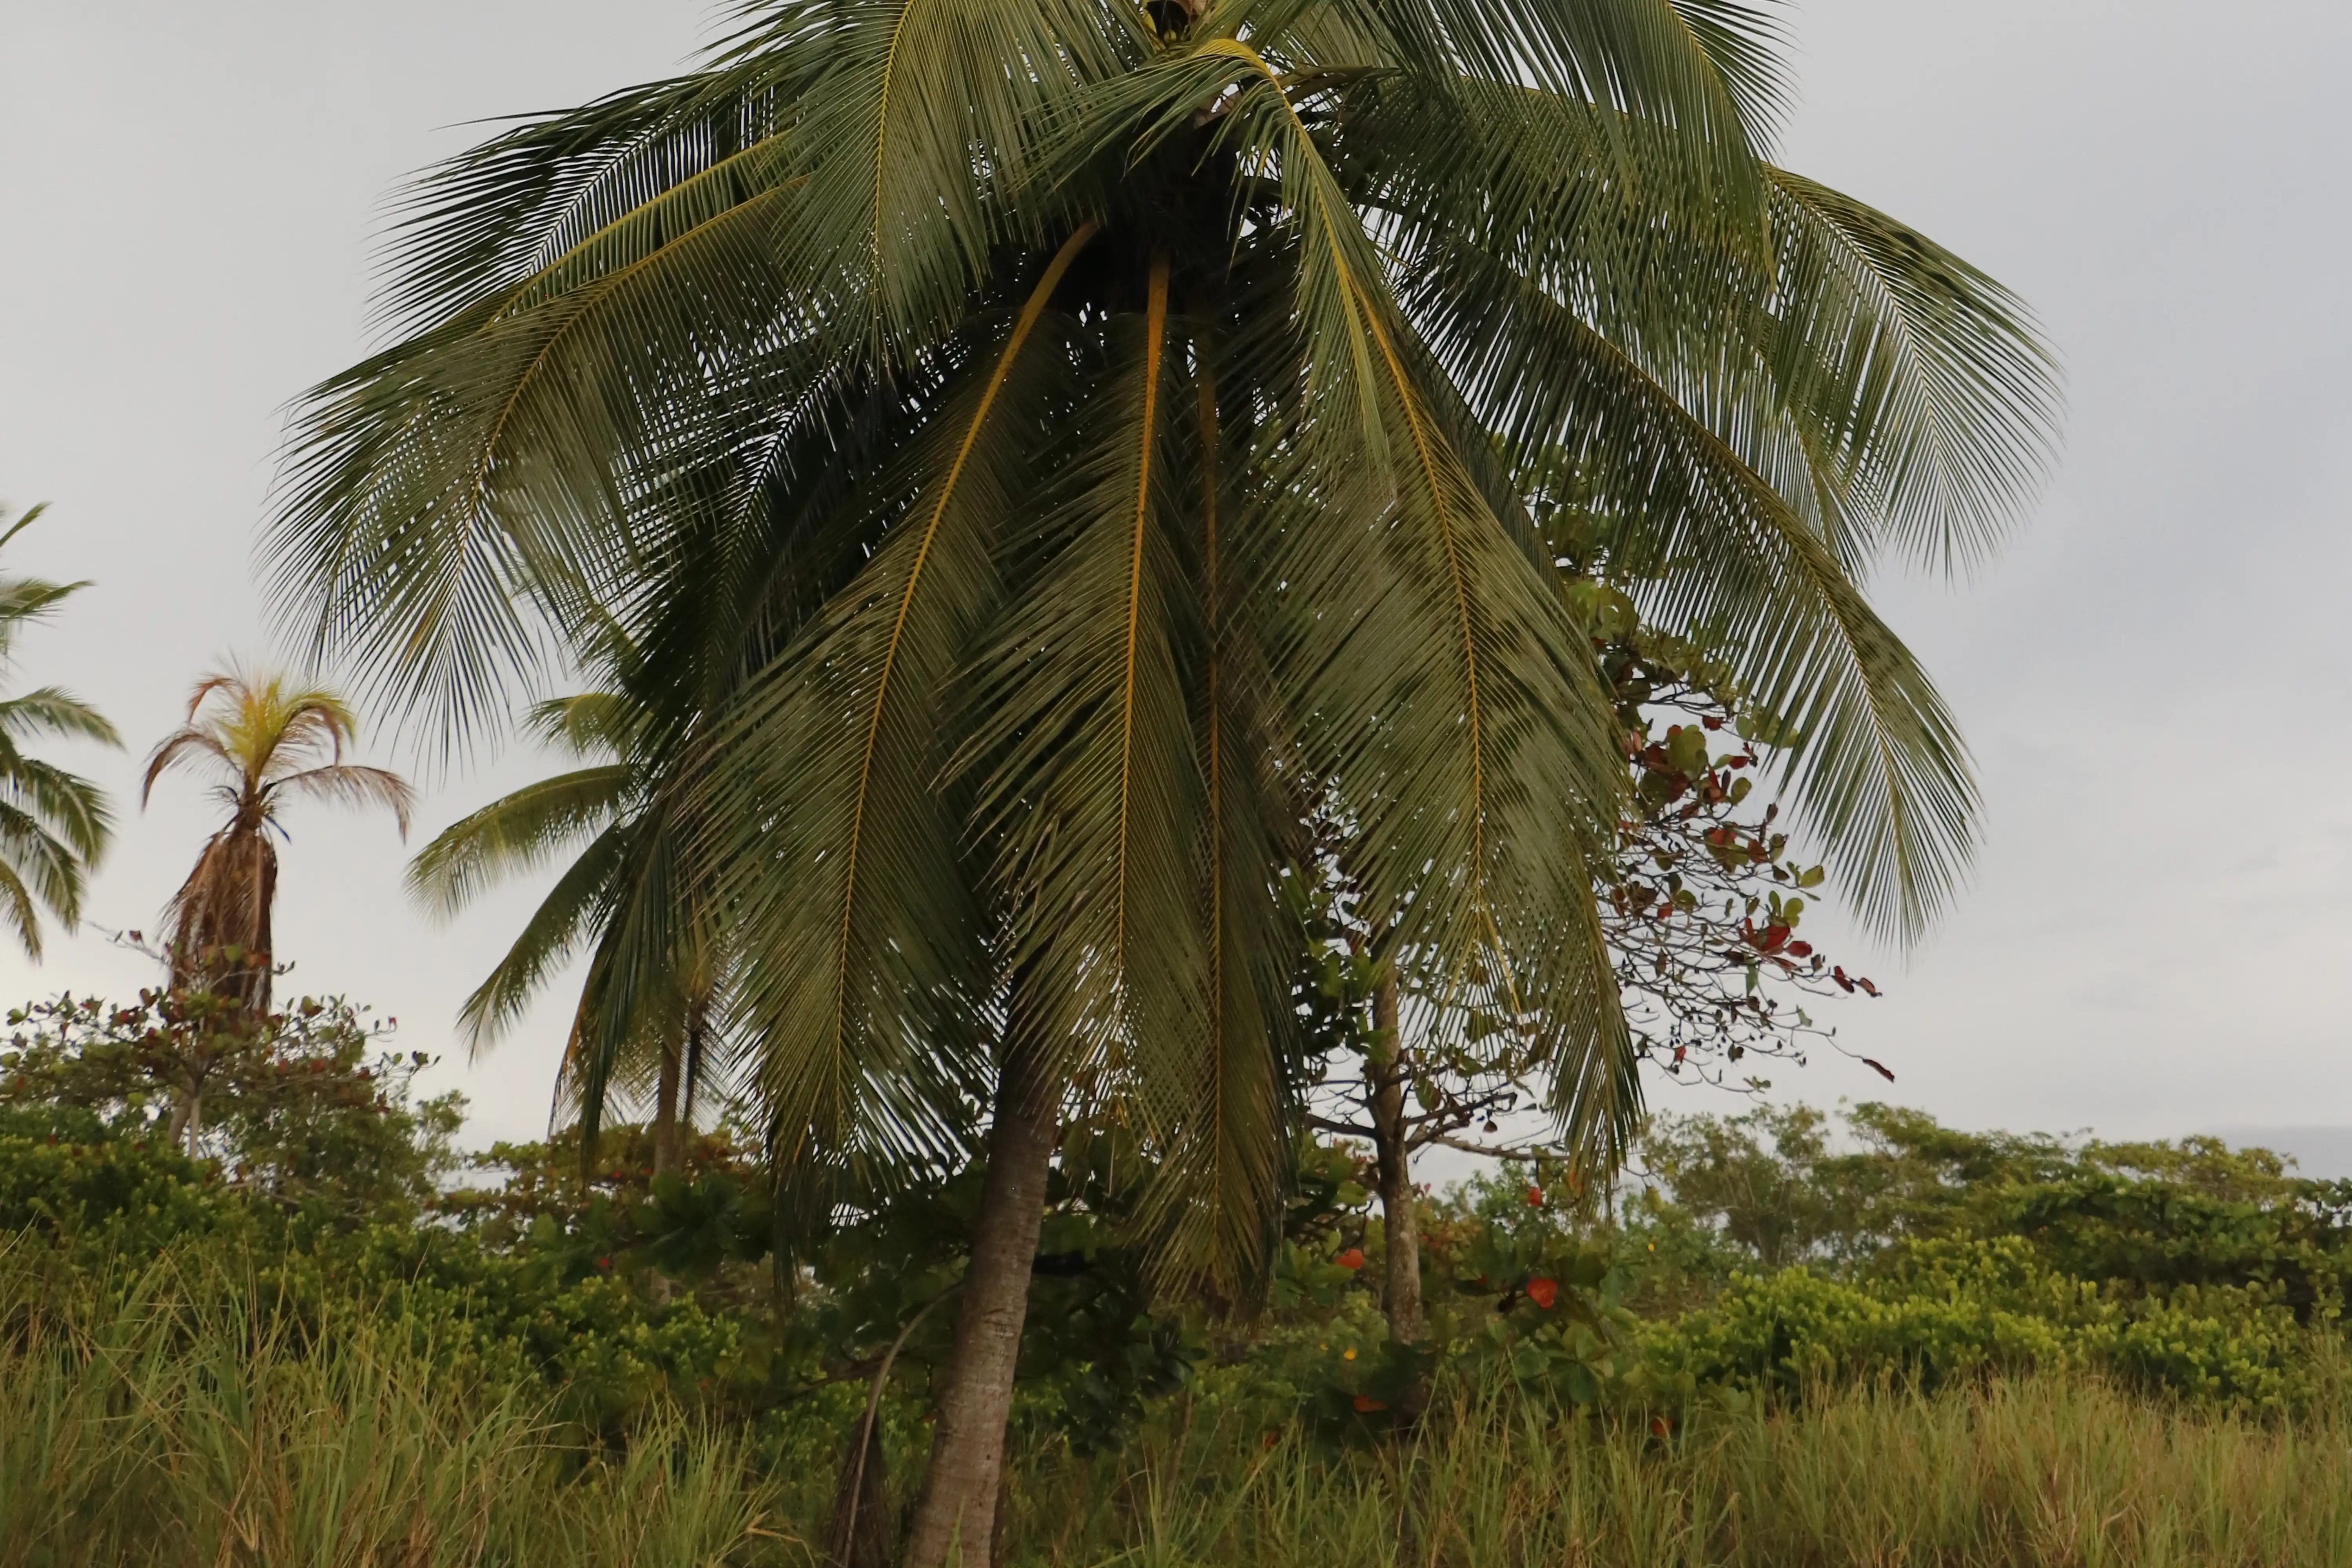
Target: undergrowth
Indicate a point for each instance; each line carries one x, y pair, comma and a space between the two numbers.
183, 1415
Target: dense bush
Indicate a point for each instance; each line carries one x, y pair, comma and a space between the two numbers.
188, 1417
1927, 1252
1747, 1265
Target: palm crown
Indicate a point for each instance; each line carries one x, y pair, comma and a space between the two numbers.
1112, 414
263, 740
649, 1014
54, 825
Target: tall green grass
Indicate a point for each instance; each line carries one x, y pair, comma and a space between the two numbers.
190, 1421
185, 1418
2040, 1473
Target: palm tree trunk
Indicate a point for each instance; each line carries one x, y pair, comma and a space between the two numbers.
957, 1512
666, 1137
1400, 1224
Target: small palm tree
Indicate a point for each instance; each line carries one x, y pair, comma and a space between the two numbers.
54, 825
649, 1011
263, 740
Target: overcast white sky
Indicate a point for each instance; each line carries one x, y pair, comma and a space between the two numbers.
2152, 675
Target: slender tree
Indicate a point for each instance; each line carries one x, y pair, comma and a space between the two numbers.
1132, 395
262, 742
54, 825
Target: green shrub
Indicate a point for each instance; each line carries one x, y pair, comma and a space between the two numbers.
1943, 1310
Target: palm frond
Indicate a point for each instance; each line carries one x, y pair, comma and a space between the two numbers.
347, 783
858, 896
65, 804
16, 906
1086, 775
43, 869
1215, 1206
549, 939
180, 749
54, 710
516, 833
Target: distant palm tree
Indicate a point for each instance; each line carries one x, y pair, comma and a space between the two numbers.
262, 740
648, 1012
54, 825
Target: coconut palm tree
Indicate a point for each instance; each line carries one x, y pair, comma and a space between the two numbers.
54, 825
654, 1026
263, 740
637, 894
1132, 394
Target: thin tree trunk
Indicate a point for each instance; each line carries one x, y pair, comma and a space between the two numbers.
187, 1121
1000, 1535
955, 1519
1399, 1224
859, 1535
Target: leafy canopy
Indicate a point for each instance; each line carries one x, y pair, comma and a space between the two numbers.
1104, 421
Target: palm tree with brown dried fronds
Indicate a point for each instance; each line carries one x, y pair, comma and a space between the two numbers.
263, 740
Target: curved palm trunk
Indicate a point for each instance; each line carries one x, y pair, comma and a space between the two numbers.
956, 1517
1399, 1224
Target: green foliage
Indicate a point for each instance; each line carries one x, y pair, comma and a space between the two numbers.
1036, 456
1930, 1252
55, 826
1775, 1290
263, 1434
186, 1412
302, 1107
110, 1198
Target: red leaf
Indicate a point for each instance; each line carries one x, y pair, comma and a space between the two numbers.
1865, 985
1535, 1197
1351, 1258
1838, 975
1659, 1424
1881, 1068
1366, 1404
1800, 949
1543, 1292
